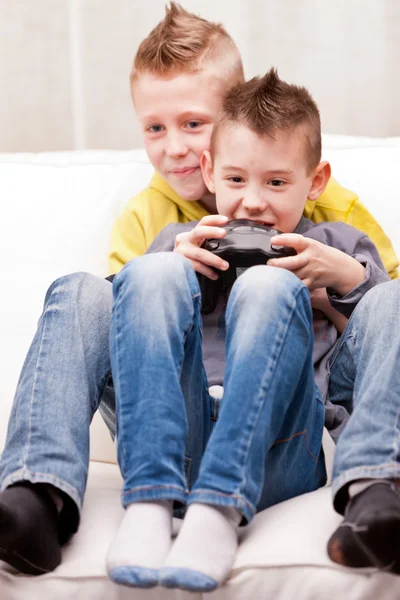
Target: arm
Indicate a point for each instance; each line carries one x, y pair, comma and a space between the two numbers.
339, 204
347, 277
320, 301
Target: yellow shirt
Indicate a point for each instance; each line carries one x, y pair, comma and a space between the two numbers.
146, 214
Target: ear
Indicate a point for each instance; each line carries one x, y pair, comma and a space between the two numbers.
207, 171
320, 180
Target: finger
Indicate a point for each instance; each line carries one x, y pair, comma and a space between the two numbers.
181, 237
291, 263
203, 232
291, 240
204, 256
204, 270
306, 278
214, 220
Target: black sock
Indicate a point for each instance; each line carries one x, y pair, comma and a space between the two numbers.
29, 539
369, 535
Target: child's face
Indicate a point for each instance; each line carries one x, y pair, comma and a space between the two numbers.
177, 114
261, 179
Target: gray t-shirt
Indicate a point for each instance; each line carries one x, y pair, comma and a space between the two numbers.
337, 235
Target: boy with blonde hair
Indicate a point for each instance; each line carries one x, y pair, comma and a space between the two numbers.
281, 384
180, 74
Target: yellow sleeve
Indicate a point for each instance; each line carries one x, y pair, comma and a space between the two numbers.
339, 204
128, 238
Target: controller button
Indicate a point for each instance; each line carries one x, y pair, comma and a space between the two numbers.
212, 245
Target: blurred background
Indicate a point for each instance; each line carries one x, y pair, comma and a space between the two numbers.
64, 67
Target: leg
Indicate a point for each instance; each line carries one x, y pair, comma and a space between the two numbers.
161, 394
366, 370
60, 387
271, 408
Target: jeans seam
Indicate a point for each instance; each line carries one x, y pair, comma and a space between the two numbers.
305, 435
120, 445
190, 325
392, 472
25, 474
262, 395
141, 488
238, 497
31, 402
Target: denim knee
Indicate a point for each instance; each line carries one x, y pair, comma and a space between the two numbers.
151, 273
262, 285
383, 298
82, 291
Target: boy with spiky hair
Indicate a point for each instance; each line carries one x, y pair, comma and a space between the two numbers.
281, 382
180, 74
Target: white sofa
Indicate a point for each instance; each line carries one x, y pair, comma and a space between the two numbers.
57, 212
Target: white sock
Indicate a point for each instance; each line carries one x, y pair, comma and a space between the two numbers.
360, 485
144, 536
207, 542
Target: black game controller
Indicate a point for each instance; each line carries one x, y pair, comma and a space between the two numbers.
246, 244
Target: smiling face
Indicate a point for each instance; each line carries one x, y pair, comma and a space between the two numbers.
263, 179
177, 114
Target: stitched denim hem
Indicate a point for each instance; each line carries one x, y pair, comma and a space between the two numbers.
246, 509
341, 483
35, 477
153, 492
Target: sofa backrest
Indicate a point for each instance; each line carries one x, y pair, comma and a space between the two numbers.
58, 210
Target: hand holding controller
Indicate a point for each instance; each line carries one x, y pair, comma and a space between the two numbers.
245, 244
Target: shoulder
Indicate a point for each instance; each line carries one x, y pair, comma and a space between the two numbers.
338, 235
335, 204
144, 200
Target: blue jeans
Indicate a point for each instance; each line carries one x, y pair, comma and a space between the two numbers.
66, 376
62, 382
365, 373
266, 444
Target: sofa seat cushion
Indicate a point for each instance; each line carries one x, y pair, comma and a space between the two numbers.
282, 555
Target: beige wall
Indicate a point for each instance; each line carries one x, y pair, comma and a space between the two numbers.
64, 63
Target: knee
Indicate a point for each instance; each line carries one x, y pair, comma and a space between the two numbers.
158, 271
263, 284
383, 301
81, 291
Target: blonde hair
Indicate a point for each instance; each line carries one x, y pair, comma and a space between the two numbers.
267, 105
184, 42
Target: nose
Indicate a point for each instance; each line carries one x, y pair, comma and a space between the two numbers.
253, 202
176, 146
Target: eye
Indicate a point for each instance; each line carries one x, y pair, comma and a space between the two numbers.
155, 128
193, 124
276, 182
236, 179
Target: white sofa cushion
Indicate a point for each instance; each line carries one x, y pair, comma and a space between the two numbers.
56, 217
282, 556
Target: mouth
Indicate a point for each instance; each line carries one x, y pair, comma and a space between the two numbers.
260, 222
183, 171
